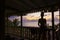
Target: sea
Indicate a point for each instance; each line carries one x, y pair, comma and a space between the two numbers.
35, 23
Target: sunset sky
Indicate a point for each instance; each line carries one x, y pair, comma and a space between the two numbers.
36, 16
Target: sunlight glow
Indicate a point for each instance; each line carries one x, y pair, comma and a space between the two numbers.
36, 16
32, 18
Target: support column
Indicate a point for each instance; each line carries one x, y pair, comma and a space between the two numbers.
59, 26
21, 20
59, 17
58, 33
21, 25
2, 20
52, 25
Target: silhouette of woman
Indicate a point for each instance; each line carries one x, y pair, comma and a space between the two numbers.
42, 25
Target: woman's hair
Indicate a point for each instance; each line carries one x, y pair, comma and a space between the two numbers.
42, 13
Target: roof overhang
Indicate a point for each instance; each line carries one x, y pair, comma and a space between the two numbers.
19, 7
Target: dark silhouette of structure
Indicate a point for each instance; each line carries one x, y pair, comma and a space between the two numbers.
58, 32
42, 25
20, 7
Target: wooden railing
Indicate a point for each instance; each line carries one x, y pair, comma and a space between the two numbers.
27, 32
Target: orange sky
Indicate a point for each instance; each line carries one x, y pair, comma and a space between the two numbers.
36, 16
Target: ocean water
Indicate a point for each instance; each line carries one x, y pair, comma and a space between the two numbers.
35, 23
32, 24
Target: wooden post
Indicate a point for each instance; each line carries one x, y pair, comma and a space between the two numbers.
52, 25
57, 33
59, 17
2, 20
21, 20
21, 25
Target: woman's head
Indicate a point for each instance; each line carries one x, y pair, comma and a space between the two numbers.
42, 14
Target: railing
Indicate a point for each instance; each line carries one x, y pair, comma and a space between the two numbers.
29, 33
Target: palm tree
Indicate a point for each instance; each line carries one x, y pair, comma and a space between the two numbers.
15, 22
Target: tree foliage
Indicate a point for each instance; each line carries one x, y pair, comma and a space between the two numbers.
15, 22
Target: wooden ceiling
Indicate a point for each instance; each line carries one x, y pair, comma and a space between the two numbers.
27, 6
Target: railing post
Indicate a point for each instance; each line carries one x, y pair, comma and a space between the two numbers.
49, 36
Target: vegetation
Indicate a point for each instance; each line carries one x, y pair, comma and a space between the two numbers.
15, 22
24, 32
